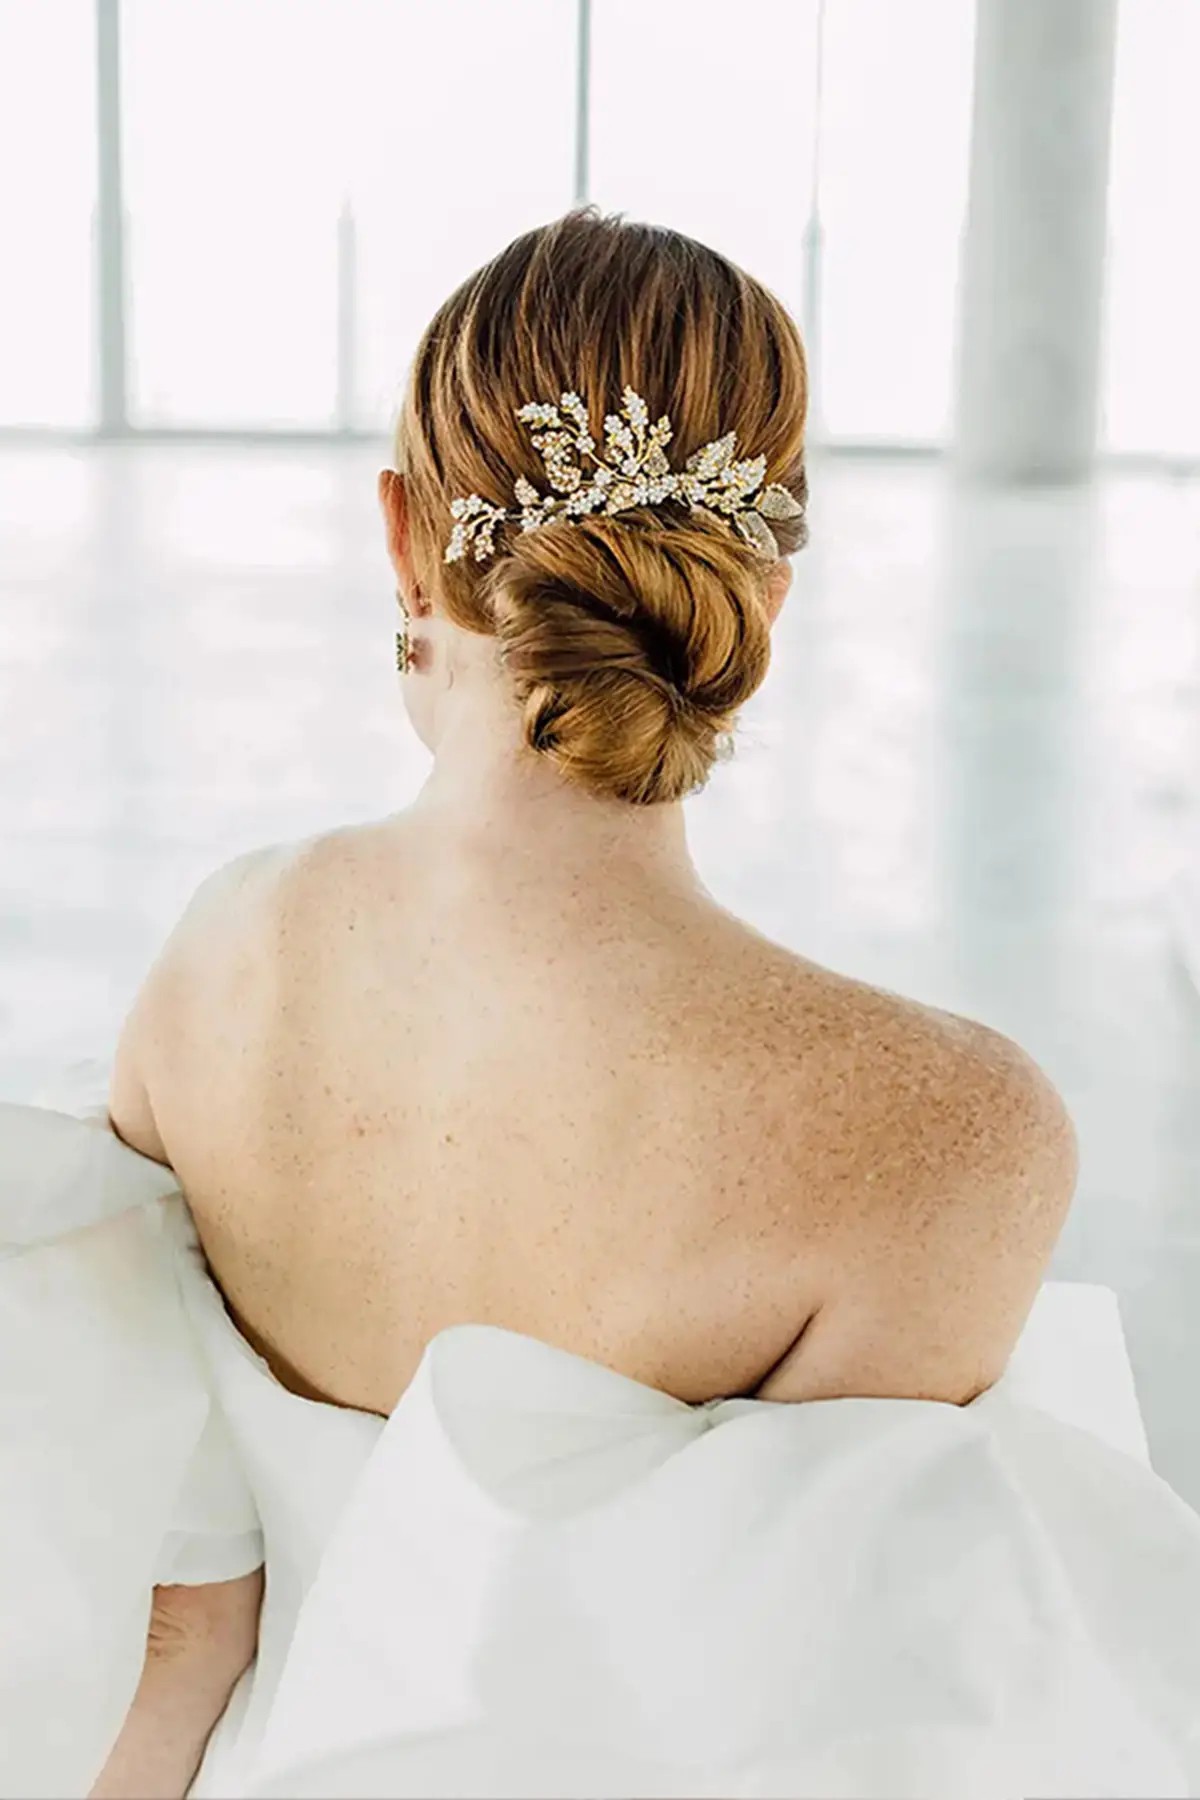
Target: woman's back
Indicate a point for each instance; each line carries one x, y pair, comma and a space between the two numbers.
415, 1074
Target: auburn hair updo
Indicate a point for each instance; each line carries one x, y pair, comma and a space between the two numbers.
630, 641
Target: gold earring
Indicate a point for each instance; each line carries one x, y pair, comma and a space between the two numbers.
404, 648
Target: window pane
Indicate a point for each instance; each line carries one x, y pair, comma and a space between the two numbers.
47, 202
232, 192
268, 141
702, 119
457, 124
1152, 364
894, 157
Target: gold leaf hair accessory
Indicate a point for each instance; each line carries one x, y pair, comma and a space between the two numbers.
631, 470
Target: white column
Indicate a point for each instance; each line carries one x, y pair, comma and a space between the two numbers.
1031, 295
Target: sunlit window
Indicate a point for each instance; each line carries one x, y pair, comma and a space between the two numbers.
706, 124
47, 203
895, 141
232, 199
457, 124
1152, 367
305, 181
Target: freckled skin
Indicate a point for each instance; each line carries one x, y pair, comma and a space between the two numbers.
406, 1082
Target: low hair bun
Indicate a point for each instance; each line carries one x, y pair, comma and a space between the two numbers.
630, 639
630, 644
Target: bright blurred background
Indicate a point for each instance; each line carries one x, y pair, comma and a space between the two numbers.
973, 773
301, 181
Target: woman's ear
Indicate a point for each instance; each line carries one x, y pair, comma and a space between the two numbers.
393, 502
778, 583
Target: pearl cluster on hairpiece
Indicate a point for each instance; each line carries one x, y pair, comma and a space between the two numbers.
632, 470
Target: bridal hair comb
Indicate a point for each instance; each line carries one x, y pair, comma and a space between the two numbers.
631, 470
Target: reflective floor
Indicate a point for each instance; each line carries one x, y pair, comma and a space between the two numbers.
972, 775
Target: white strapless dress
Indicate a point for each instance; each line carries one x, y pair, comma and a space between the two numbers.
541, 1578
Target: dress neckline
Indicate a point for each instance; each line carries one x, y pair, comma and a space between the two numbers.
467, 1333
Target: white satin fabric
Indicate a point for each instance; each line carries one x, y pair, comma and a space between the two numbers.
539, 1577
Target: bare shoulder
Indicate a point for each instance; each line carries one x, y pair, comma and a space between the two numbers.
246, 902
219, 961
952, 1095
946, 1160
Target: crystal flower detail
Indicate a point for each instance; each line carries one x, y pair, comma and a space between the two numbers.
630, 470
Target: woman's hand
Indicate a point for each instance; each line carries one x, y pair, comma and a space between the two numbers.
200, 1641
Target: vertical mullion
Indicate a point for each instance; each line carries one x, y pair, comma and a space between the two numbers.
347, 319
113, 411
583, 95
813, 242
